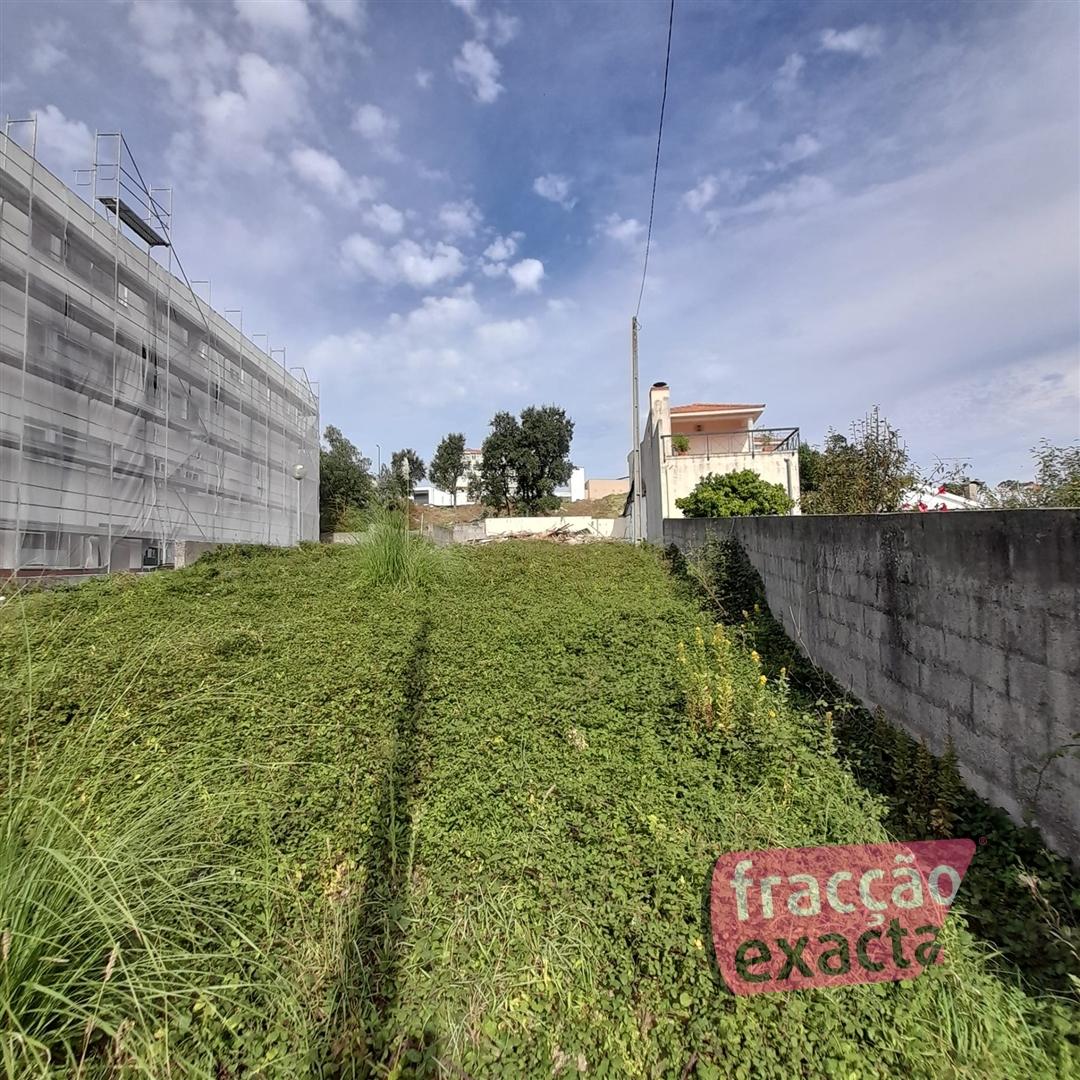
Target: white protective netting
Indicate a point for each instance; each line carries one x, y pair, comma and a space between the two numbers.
132, 415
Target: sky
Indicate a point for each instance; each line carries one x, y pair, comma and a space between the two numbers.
439, 208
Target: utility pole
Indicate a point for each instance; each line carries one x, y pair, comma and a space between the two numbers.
635, 441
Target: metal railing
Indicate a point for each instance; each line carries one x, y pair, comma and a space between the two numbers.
752, 443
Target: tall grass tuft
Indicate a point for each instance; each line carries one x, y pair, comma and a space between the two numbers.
123, 947
392, 557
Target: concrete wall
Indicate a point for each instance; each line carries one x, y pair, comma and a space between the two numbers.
613, 528
188, 551
964, 624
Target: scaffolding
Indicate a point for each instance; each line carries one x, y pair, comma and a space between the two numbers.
133, 416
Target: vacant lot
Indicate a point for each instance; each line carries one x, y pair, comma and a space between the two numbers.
265, 817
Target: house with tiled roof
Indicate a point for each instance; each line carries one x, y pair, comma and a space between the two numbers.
682, 444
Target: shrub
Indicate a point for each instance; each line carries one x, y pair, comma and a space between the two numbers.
737, 494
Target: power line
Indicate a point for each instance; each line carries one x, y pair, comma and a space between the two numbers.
656, 166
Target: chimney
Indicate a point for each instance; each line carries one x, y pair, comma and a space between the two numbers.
660, 408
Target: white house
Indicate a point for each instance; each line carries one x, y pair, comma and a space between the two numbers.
684, 443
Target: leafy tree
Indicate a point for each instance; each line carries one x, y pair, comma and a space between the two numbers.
737, 494
1057, 477
409, 465
810, 467
544, 457
867, 473
391, 488
344, 479
448, 464
524, 461
494, 483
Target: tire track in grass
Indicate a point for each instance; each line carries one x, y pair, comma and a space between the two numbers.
370, 1044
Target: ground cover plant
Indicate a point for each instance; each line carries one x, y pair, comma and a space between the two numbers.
457, 823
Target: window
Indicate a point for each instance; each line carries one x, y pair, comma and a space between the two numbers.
123, 297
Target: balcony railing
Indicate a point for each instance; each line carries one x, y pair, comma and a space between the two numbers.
751, 443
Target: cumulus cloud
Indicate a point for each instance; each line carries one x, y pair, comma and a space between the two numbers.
556, 188
46, 52
697, 198
441, 312
864, 40
500, 27
64, 145
378, 127
502, 248
269, 99
385, 218
180, 48
509, 335
276, 16
423, 78
527, 275
325, 172
460, 218
787, 76
352, 13
477, 67
407, 262
628, 231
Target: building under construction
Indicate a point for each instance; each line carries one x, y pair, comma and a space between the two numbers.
132, 415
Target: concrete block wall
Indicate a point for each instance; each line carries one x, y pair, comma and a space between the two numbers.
962, 625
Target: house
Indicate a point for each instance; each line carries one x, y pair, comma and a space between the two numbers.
427, 494
684, 443
601, 489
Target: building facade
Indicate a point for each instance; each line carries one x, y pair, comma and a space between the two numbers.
132, 415
682, 444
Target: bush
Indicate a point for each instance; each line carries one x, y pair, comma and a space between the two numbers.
737, 494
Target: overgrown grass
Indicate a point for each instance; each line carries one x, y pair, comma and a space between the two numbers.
391, 556
459, 829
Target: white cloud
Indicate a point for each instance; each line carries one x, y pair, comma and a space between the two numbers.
556, 188
423, 78
63, 144
787, 76
441, 312
477, 67
378, 127
527, 275
501, 27
406, 262
799, 149
277, 16
237, 123
697, 198
510, 335
325, 172
460, 218
628, 231
800, 194
181, 49
502, 248
351, 12
384, 217
864, 40
46, 53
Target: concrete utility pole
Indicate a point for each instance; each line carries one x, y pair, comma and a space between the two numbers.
635, 440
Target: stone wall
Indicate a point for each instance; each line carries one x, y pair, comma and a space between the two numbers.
962, 625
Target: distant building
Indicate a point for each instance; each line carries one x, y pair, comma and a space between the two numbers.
684, 443
427, 494
574, 490
601, 489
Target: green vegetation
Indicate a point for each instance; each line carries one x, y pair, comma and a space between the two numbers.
463, 825
1057, 480
345, 480
448, 463
737, 494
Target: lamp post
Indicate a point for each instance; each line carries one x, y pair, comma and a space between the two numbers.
378, 450
299, 472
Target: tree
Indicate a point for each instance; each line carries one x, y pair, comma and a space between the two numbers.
524, 461
811, 463
409, 465
344, 479
1057, 477
493, 483
544, 457
448, 464
737, 494
866, 474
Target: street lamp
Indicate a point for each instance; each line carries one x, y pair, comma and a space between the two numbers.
299, 472
378, 450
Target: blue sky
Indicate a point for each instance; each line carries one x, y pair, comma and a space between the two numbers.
439, 207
